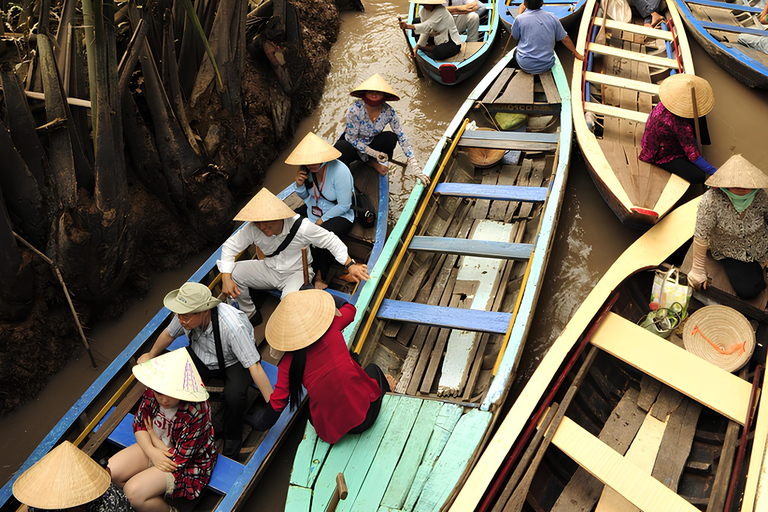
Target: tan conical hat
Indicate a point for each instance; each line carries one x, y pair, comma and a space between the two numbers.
312, 150
376, 84
428, 2
66, 477
738, 172
173, 374
264, 207
675, 94
300, 319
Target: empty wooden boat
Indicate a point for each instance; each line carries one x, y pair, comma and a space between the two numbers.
567, 12
612, 94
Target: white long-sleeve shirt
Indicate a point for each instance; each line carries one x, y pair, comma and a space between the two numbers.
437, 23
289, 260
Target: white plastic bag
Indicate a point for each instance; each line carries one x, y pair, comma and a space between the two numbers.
619, 10
668, 293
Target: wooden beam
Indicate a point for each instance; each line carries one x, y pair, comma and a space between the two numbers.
623, 83
651, 60
621, 113
465, 247
726, 5
493, 192
445, 317
640, 29
483, 135
737, 29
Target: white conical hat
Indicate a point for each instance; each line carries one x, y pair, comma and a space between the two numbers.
312, 150
738, 172
675, 94
173, 374
376, 83
264, 207
64, 478
300, 319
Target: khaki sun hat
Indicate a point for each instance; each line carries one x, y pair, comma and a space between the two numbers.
64, 478
720, 335
173, 374
738, 172
190, 298
264, 207
675, 94
300, 319
375, 84
312, 150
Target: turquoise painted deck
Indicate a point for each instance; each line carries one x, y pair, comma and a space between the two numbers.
409, 460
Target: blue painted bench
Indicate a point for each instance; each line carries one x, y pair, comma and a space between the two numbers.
726, 5
440, 316
467, 247
493, 192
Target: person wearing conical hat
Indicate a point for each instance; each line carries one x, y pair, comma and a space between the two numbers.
174, 453
68, 479
343, 399
438, 35
279, 233
200, 316
732, 223
364, 138
669, 139
327, 188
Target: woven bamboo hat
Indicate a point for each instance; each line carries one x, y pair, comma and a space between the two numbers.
264, 207
190, 298
485, 157
428, 2
173, 374
720, 335
66, 477
738, 172
376, 84
675, 94
300, 319
312, 150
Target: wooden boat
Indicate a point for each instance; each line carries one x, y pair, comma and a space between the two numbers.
470, 58
456, 302
617, 87
567, 12
641, 422
716, 27
105, 408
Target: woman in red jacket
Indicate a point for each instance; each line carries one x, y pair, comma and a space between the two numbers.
343, 399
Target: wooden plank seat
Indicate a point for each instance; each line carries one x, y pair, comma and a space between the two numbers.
651, 60
726, 5
493, 192
470, 247
621, 113
525, 141
738, 29
445, 317
622, 83
640, 29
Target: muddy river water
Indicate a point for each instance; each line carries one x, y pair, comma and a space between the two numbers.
589, 237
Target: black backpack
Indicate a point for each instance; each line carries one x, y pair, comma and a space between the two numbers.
365, 213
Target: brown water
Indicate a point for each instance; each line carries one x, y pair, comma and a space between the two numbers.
589, 237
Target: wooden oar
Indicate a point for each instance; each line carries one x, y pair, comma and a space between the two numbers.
305, 264
410, 50
339, 493
696, 118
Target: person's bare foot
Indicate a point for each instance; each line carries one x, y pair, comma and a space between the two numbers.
380, 168
320, 285
391, 381
656, 19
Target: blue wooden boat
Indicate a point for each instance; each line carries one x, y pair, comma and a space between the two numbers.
470, 58
716, 26
567, 12
107, 404
455, 303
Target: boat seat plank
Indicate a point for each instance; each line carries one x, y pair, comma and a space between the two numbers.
674, 366
299, 499
726, 5
731, 28
469, 247
481, 135
640, 29
607, 110
445, 317
518, 90
638, 487
335, 463
652, 60
498, 85
303, 459
550, 89
623, 83
493, 192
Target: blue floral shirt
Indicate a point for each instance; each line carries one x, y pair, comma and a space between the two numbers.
360, 130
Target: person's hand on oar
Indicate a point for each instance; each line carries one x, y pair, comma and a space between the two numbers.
404, 27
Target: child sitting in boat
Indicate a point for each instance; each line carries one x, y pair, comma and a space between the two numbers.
174, 452
437, 24
537, 31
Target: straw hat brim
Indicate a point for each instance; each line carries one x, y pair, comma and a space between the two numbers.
312, 150
172, 303
265, 207
300, 319
485, 157
173, 374
726, 328
675, 95
64, 478
376, 83
738, 172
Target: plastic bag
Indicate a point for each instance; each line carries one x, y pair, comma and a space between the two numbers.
619, 10
667, 290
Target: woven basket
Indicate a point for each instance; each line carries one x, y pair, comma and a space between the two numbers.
725, 328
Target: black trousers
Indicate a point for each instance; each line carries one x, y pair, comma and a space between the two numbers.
376, 374
745, 277
322, 258
384, 142
686, 170
236, 382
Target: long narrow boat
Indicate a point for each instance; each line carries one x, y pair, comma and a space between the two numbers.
640, 423
716, 27
107, 405
455, 304
567, 12
613, 93
470, 58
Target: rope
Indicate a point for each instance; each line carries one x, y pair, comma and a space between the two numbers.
725, 352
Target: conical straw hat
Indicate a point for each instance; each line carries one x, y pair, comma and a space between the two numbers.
173, 374
724, 327
428, 2
312, 150
675, 94
66, 477
376, 84
264, 207
485, 157
300, 319
738, 172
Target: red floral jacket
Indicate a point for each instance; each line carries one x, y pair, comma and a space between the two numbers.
667, 137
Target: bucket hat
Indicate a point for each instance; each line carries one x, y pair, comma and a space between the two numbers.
64, 478
173, 374
190, 298
675, 94
312, 150
720, 335
738, 172
264, 207
376, 83
300, 319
